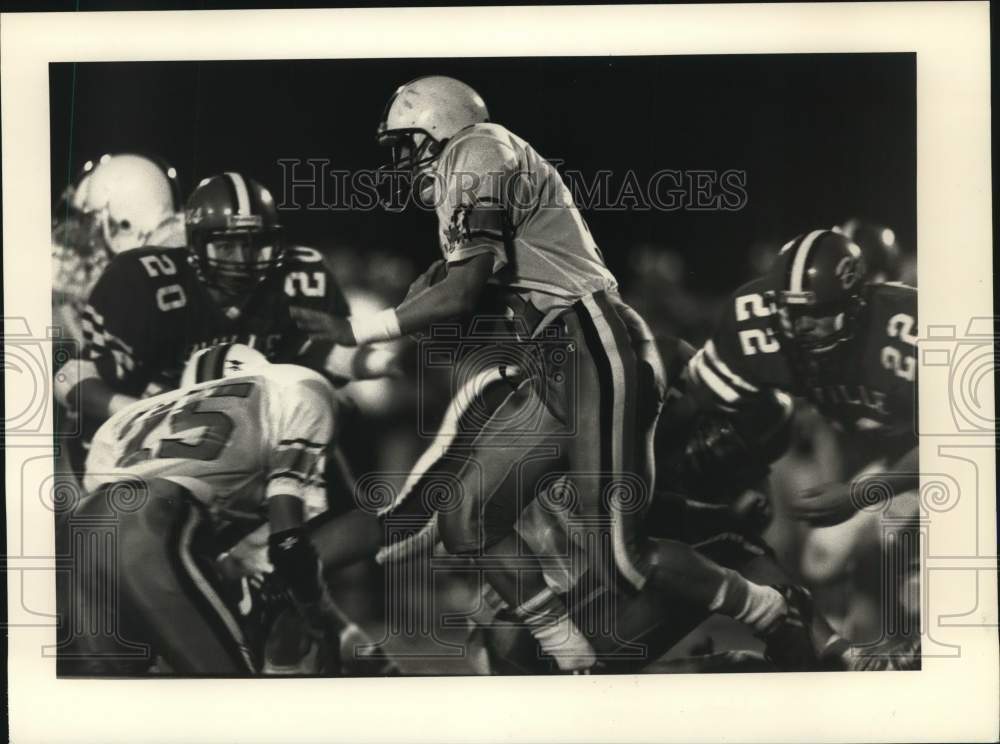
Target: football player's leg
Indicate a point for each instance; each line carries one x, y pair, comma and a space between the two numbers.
173, 591
499, 479
391, 533
672, 567
611, 437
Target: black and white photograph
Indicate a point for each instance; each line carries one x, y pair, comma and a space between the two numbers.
536, 366
391, 366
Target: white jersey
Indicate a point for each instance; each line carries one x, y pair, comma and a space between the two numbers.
494, 194
232, 443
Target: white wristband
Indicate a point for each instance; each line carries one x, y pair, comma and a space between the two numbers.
381, 326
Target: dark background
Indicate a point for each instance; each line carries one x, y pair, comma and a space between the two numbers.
821, 137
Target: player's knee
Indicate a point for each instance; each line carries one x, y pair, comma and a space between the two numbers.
459, 534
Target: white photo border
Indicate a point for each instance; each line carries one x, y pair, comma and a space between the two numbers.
951, 698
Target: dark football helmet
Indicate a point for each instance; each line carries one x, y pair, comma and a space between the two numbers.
233, 232
878, 246
817, 282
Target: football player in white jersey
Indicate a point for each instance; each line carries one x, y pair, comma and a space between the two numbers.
239, 445
585, 405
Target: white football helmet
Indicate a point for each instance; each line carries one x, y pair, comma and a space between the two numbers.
217, 362
129, 197
423, 115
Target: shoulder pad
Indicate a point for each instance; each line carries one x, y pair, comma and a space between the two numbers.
750, 306
298, 256
480, 149
895, 293
154, 264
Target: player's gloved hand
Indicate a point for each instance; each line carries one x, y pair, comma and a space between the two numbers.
323, 326
297, 565
823, 506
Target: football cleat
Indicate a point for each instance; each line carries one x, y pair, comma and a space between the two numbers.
292, 650
362, 657
790, 646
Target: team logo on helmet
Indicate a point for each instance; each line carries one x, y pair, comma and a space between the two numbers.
848, 270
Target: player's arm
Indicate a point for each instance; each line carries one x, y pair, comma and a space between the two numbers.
301, 428
475, 228
119, 329
723, 374
311, 287
454, 296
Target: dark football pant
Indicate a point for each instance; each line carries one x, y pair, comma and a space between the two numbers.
170, 596
574, 417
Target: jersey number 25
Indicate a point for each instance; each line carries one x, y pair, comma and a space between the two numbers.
185, 415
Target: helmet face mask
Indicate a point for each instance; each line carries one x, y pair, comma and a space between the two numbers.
236, 262
413, 150
814, 330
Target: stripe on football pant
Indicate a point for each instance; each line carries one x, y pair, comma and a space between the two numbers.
206, 589
799, 262
242, 194
622, 423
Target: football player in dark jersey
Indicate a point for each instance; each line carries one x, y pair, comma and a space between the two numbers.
234, 281
816, 328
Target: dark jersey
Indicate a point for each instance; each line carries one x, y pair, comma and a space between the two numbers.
867, 384
149, 311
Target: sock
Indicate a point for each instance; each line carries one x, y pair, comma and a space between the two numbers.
550, 624
760, 607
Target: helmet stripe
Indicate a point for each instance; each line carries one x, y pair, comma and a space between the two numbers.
799, 262
212, 363
201, 371
242, 194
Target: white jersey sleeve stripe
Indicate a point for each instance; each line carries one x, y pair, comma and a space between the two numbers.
723, 368
704, 373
